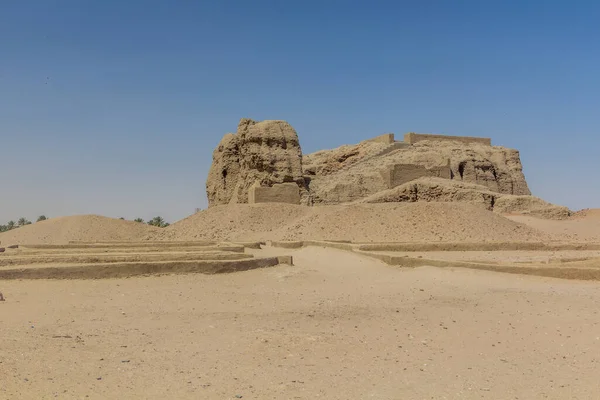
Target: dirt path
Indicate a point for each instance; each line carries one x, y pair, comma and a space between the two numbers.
335, 326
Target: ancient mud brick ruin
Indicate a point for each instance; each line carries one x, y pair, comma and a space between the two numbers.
260, 153
263, 162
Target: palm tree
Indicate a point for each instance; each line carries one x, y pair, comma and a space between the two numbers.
158, 221
138, 220
41, 218
10, 225
23, 221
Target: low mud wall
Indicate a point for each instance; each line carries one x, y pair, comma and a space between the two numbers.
171, 243
299, 244
118, 258
491, 246
124, 270
48, 248
117, 245
587, 270
550, 271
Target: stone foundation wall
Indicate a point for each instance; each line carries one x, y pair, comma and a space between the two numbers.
278, 193
399, 174
386, 138
413, 138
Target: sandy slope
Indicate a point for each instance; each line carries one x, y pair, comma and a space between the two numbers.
357, 222
335, 326
592, 213
580, 227
80, 227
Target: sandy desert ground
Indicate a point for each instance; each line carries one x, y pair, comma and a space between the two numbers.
336, 325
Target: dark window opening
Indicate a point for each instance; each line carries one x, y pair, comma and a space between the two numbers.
461, 169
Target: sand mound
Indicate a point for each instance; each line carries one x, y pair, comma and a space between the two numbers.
530, 205
408, 222
592, 213
80, 227
391, 222
234, 222
578, 229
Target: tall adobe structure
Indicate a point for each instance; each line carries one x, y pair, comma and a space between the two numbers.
260, 154
263, 162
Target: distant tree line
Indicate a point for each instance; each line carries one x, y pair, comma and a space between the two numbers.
156, 221
10, 225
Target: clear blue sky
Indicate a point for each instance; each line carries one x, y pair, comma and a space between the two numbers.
114, 107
